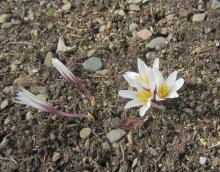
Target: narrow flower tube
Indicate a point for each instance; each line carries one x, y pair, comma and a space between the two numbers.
69, 76
25, 97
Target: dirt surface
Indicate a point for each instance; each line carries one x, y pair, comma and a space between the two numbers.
172, 139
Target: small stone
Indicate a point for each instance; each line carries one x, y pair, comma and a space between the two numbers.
6, 25
66, 8
134, 7
164, 31
215, 4
92, 64
123, 168
87, 144
91, 52
29, 116
133, 1
134, 163
151, 56
199, 108
202, 160
188, 110
156, 42
115, 122
52, 136
115, 135
56, 156
8, 89
85, 133
48, 59
106, 146
218, 82
216, 102
215, 161
4, 143
4, 18
198, 17
102, 28
4, 104
144, 34
7, 121
102, 72
120, 12
153, 151
133, 27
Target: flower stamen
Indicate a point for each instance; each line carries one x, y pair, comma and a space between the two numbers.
163, 90
144, 95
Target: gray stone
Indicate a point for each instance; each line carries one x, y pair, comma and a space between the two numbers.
133, 27
156, 42
106, 146
56, 156
215, 4
133, 1
4, 104
92, 64
198, 17
134, 7
123, 168
115, 122
202, 160
115, 135
48, 59
6, 25
66, 8
151, 56
8, 89
4, 18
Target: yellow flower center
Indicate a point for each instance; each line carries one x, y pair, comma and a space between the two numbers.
144, 78
144, 95
163, 90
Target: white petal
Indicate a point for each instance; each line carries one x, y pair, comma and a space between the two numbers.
158, 98
142, 67
156, 63
158, 77
152, 82
173, 94
178, 84
171, 79
132, 78
144, 109
128, 94
133, 103
61, 47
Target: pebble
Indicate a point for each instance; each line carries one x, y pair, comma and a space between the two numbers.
85, 133
6, 25
123, 168
8, 89
48, 59
134, 163
29, 116
4, 104
115, 122
133, 1
198, 17
4, 18
156, 42
134, 7
115, 135
144, 34
188, 110
151, 55
102, 72
4, 143
215, 4
7, 121
202, 160
120, 12
91, 52
66, 8
218, 82
215, 161
164, 31
133, 27
92, 64
106, 146
56, 156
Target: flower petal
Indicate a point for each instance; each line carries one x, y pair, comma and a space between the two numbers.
171, 79
156, 63
158, 77
142, 67
128, 94
133, 103
158, 98
178, 84
144, 109
132, 78
173, 94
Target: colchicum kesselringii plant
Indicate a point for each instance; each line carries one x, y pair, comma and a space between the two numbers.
27, 98
150, 86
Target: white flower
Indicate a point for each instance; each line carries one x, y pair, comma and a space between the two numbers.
69, 76
141, 97
167, 88
29, 99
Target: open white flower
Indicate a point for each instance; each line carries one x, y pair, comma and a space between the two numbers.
69, 76
145, 76
141, 97
167, 88
29, 99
